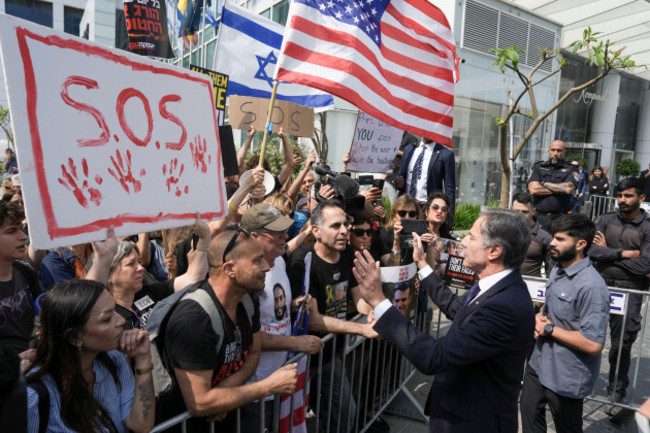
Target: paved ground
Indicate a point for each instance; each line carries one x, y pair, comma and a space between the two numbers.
595, 418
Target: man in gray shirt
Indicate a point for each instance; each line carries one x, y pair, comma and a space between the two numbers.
570, 332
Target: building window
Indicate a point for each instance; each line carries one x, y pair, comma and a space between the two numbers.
36, 11
72, 20
280, 12
121, 34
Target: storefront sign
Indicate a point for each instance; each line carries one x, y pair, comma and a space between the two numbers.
589, 97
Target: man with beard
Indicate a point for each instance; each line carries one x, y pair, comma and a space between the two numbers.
266, 224
551, 184
280, 302
331, 274
622, 254
570, 332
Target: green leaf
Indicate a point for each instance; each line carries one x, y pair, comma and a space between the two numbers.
600, 59
576, 46
502, 63
629, 63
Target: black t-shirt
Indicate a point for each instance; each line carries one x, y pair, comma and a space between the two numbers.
143, 302
190, 343
329, 283
17, 309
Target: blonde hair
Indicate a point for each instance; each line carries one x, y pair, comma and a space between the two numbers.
402, 202
281, 202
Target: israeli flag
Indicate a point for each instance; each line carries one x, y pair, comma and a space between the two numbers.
247, 51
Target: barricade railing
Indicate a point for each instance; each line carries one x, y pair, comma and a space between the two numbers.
352, 381
637, 389
600, 205
619, 301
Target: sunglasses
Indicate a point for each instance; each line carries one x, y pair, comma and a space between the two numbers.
435, 206
361, 232
411, 213
231, 244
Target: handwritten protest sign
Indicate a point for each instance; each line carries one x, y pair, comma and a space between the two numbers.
374, 145
107, 138
295, 119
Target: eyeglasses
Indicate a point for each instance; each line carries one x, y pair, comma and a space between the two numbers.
361, 232
231, 244
411, 213
435, 206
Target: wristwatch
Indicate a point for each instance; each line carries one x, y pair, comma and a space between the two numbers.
548, 330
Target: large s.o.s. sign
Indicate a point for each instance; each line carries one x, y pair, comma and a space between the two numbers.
105, 137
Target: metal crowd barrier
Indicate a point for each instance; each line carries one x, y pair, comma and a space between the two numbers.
637, 391
373, 372
600, 205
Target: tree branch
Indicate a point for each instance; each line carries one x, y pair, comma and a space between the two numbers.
531, 130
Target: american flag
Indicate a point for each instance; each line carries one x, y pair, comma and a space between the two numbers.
394, 59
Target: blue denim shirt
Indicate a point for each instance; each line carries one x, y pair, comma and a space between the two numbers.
115, 399
577, 299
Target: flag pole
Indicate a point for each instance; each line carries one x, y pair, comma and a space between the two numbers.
269, 126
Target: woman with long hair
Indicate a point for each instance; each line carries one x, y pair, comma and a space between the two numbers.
387, 244
81, 360
598, 183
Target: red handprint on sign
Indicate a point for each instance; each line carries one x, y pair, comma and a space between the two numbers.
80, 187
173, 179
123, 172
198, 151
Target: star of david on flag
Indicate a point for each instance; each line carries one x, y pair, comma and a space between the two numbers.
394, 59
247, 51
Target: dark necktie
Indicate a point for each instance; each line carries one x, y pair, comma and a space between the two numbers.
470, 296
417, 171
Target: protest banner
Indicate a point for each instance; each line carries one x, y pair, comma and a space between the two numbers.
374, 145
146, 25
449, 264
220, 83
295, 119
106, 137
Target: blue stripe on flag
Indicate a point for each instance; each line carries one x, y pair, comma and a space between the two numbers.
315, 101
251, 28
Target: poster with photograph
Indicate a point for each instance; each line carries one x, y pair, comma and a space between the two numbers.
449, 264
400, 286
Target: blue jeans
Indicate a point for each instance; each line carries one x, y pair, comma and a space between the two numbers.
344, 408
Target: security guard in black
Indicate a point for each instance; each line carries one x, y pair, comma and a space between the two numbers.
551, 184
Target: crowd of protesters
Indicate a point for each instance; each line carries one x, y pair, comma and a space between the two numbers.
74, 320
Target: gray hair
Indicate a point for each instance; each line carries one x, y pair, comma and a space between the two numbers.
124, 248
507, 228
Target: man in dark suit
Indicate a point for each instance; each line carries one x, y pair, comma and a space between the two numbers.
425, 168
479, 363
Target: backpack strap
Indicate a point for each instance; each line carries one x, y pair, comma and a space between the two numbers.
205, 301
43, 404
249, 306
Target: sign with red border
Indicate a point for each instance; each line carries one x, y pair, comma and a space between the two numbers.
106, 137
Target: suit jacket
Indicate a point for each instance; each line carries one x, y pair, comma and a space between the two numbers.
478, 365
442, 167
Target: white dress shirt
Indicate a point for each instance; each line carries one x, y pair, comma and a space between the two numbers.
421, 185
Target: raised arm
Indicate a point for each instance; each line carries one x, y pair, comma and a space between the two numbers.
294, 189
198, 264
104, 251
287, 169
235, 201
243, 150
